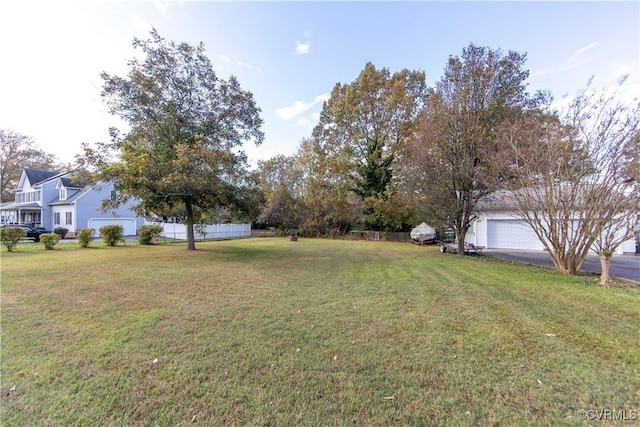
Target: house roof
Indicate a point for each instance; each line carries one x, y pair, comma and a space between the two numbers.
9, 206
69, 183
501, 200
18, 206
38, 175
69, 200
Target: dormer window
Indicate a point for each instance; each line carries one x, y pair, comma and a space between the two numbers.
63, 193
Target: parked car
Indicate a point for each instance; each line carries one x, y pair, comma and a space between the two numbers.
33, 233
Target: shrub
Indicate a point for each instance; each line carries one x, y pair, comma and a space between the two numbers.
148, 234
112, 234
49, 240
61, 231
84, 236
10, 236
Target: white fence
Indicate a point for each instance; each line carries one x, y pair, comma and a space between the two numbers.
207, 232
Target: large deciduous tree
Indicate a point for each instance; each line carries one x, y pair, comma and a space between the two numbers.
187, 127
327, 195
282, 183
363, 127
17, 152
281, 171
575, 176
447, 164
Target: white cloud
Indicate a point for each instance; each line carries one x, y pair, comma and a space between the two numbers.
576, 62
249, 66
299, 107
584, 49
243, 64
302, 48
578, 58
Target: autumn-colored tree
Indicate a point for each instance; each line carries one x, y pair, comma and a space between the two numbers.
280, 171
282, 211
364, 126
18, 152
447, 164
575, 176
186, 129
330, 204
282, 183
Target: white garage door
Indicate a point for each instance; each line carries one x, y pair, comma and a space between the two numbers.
128, 224
511, 234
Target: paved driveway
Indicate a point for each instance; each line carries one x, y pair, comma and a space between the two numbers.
623, 266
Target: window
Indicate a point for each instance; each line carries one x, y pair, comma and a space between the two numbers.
63, 194
69, 218
28, 196
56, 218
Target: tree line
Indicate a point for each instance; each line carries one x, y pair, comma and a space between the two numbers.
387, 153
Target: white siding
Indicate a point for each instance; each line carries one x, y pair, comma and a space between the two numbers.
63, 210
628, 247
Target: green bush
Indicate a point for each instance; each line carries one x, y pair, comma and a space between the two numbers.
49, 240
149, 234
61, 231
10, 236
84, 236
112, 234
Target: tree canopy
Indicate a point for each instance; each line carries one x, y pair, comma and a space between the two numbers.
18, 152
364, 126
448, 161
187, 127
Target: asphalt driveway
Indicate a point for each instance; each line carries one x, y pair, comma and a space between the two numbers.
625, 266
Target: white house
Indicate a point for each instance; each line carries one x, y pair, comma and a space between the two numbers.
499, 226
50, 200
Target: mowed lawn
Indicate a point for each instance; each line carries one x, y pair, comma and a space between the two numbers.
315, 332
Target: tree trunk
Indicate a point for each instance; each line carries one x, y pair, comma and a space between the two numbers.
191, 241
565, 263
461, 236
605, 262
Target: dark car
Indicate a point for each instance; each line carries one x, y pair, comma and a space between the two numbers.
33, 233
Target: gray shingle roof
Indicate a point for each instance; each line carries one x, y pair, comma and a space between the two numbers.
71, 199
39, 175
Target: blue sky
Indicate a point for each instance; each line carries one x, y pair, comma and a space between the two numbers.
290, 54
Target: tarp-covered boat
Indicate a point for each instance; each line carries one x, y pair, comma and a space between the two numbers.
424, 233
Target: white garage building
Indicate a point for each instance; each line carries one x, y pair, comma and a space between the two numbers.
498, 226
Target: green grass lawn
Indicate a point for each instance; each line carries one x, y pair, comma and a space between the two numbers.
315, 332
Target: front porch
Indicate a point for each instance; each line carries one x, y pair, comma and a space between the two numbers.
16, 213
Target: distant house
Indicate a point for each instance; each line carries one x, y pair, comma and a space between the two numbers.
498, 225
50, 199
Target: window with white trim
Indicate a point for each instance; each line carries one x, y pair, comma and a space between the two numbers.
68, 218
56, 218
